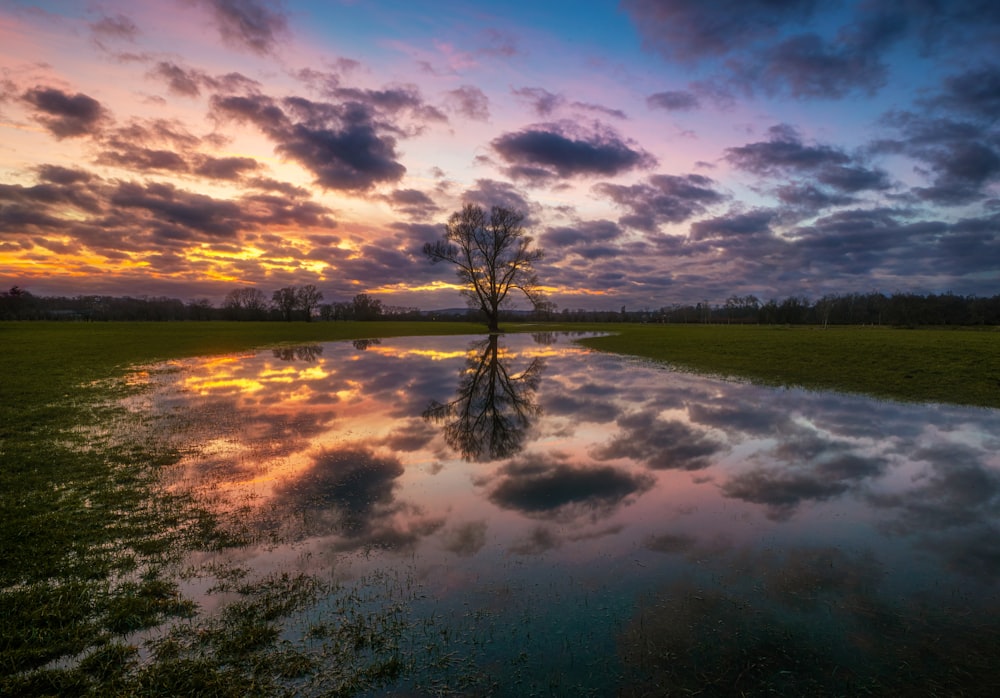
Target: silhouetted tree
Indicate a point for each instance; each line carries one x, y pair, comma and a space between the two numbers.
308, 298
286, 300
493, 255
364, 307
245, 304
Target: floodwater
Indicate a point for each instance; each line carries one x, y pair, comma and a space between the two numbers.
572, 522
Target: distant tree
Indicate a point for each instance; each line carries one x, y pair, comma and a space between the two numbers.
308, 298
493, 255
286, 300
247, 303
364, 307
200, 309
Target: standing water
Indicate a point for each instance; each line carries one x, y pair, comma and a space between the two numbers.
523, 516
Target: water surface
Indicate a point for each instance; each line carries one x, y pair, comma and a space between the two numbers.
580, 522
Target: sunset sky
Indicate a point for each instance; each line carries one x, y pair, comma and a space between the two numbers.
663, 151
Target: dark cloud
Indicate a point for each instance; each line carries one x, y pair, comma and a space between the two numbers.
975, 93
66, 115
822, 176
561, 150
662, 199
782, 152
560, 490
344, 145
583, 234
810, 198
543, 102
392, 101
228, 168
490, 192
469, 101
689, 30
752, 224
660, 444
182, 82
786, 47
144, 159
249, 24
809, 66
116, 27
122, 217
412, 203
673, 101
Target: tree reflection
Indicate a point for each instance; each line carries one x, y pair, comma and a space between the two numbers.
490, 417
306, 352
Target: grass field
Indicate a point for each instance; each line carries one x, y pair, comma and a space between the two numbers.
923, 365
85, 545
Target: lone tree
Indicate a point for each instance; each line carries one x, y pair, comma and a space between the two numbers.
493, 256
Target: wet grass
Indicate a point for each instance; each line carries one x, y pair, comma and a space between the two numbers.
86, 543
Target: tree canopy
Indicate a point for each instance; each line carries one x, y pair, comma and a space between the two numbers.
493, 255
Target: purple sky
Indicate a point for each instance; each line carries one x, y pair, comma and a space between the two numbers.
663, 151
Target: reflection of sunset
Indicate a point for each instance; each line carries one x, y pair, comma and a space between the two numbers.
593, 466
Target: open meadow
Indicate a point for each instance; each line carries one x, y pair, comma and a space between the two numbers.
91, 540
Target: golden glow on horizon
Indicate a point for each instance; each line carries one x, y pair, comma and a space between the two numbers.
405, 288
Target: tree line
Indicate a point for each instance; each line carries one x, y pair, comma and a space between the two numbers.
298, 304
873, 308
288, 303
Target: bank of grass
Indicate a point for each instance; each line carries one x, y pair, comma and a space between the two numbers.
86, 546
960, 366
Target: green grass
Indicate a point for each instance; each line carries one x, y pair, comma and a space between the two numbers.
924, 365
86, 546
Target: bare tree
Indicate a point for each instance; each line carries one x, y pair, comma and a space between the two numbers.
286, 300
493, 255
364, 307
308, 298
245, 303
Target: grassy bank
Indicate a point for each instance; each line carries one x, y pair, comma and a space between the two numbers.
86, 547
925, 365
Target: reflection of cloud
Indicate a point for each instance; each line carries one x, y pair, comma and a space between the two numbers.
412, 435
465, 540
671, 543
660, 444
782, 489
558, 490
540, 540
353, 481
581, 410
953, 510
743, 416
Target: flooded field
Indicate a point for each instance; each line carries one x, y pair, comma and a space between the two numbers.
522, 516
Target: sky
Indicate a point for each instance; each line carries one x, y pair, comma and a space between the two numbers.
662, 151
